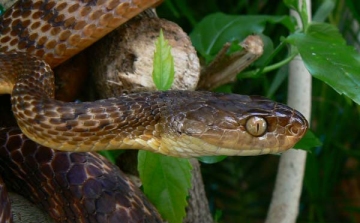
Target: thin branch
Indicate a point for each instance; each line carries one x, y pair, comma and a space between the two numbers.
254, 73
224, 67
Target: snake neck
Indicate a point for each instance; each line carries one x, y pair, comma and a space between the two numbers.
24, 74
122, 123
127, 122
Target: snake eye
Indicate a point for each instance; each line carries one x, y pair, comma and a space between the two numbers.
256, 126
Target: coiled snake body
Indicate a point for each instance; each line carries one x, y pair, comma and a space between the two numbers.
71, 187
38, 35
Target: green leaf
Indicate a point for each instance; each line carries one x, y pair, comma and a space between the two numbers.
163, 71
215, 30
325, 32
211, 159
304, 15
180, 9
324, 11
2, 10
308, 142
218, 215
278, 80
292, 4
301, 9
328, 58
111, 155
166, 182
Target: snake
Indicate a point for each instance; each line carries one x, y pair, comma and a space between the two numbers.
70, 187
38, 35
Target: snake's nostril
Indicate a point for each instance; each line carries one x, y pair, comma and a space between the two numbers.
297, 129
294, 130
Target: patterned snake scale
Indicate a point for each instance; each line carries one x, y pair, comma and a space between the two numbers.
38, 35
71, 187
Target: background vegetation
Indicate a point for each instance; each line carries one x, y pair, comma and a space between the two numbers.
240, 188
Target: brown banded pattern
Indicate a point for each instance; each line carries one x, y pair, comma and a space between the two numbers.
57, 30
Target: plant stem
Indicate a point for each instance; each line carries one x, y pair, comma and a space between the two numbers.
258, 72
284, 205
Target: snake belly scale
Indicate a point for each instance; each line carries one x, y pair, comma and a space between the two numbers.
39, 35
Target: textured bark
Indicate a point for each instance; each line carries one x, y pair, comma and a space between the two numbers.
123, 61
7, 3
198, 209
26, 212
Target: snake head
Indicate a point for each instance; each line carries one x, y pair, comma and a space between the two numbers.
230, 124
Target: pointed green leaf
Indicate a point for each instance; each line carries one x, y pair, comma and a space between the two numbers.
304, 15
2, 10
211, 159
166, 182
301, 8
308, 142
328, 58
163, 71
324, 11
